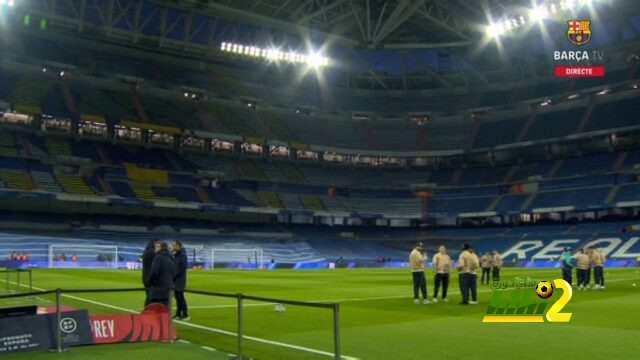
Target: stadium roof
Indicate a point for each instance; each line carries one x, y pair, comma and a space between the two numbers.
382, 42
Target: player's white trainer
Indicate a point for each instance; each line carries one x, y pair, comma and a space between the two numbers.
426, 302
416, 301
602, 287
445, 300
473, 303
435, 300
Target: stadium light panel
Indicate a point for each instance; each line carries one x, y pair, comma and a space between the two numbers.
538, 13
316, 60
272, 54
495, 29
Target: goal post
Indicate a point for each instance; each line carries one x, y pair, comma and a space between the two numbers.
82, 256
253, 257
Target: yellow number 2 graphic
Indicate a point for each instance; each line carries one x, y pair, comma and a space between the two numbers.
554, 313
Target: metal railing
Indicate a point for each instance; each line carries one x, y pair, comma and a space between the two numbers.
18, 282
240, 298
335, 307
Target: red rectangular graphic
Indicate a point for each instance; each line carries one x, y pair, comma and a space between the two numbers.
579, 71
130, 328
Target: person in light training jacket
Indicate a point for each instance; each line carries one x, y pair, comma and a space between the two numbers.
486, 262
598, 259
180, 280
468, 263
497, 265
441, 266
160, 276
416, 264
583, 266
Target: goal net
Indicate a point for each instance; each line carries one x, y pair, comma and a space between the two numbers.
252, 258
82, 256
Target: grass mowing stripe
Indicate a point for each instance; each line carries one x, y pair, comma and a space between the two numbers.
206, 328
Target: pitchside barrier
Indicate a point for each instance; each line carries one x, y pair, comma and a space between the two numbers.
18, 283
61, 334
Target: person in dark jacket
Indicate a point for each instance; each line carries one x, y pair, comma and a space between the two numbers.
180, 280
147, 259
160, 276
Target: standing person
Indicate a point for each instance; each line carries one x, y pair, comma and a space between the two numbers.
567, 264
468, 263
147, 259
416, 264
160, 276
441, 266
180, 280
497, 265
486, 262
597, 259
583, 265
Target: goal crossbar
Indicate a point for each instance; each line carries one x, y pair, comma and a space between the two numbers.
254, 256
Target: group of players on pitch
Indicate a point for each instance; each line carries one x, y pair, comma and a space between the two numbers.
491, 263
587, 259
467, 265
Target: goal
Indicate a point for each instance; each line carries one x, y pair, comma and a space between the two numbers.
82, 256
252, 257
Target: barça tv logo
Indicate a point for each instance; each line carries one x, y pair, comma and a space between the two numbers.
579, 31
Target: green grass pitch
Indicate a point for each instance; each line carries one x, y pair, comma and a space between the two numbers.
378, 317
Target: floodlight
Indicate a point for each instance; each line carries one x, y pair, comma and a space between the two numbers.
495, 29
538, 13
316, 60
522, 20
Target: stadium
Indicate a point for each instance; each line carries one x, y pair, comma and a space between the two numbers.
316, 179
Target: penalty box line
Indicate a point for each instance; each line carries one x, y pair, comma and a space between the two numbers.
202, 327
